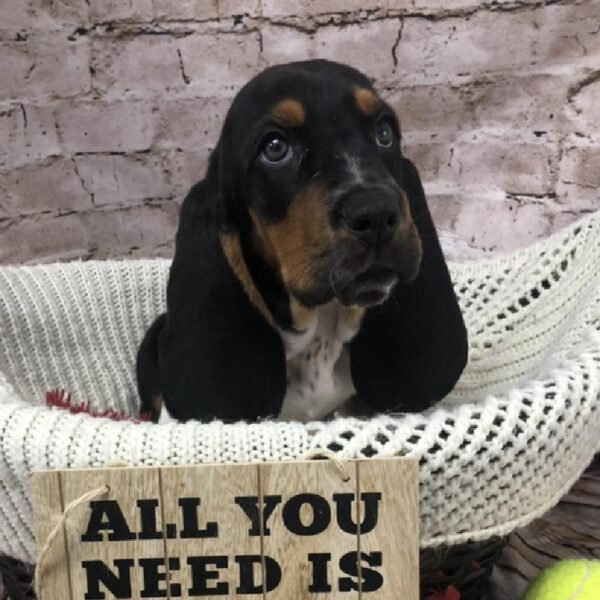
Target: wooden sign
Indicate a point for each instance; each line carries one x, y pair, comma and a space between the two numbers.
277, 531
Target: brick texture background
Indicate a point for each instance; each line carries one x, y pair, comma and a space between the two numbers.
108, 110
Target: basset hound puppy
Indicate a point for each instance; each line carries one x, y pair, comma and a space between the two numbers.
307, 269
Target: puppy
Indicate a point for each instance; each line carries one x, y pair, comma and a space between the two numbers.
307, 268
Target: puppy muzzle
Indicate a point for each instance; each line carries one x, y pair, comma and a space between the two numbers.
381, 246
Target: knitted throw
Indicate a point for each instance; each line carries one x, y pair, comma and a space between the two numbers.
517, 431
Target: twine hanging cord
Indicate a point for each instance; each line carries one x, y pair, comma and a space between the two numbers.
39, 568
314, 453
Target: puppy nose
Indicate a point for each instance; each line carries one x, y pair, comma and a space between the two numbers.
372, 217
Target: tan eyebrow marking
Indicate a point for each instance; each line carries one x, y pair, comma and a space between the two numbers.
289, 113
366, 101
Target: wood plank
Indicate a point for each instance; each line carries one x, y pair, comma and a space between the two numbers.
127, 486
209, 520
217, 487
396, 535
320, 478
47, 510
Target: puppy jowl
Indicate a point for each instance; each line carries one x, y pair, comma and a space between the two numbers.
279, 530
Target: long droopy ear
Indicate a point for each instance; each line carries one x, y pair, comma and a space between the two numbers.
219, 353
411, 350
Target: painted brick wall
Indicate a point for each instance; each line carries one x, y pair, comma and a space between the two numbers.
108, 110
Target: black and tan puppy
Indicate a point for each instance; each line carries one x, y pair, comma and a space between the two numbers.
307, 268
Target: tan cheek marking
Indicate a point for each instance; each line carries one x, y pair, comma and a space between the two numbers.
351, 317
261, 242
289, 113
157, 404
157, 407
406, 217
405, 213
301, 315
230, 243
366, 101
409, 229
297, 241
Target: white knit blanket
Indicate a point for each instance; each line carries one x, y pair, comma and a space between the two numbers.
518, 430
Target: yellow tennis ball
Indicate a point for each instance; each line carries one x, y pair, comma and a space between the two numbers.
567, 580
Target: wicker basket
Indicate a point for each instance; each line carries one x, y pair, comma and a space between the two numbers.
516, 433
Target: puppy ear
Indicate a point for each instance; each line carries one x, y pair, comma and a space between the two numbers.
219, 353
411, 350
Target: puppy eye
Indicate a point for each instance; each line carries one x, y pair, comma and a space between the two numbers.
384, 133
276, 148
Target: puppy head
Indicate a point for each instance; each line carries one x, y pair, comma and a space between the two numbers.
309, 159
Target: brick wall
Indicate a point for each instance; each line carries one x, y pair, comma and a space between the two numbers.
108, 110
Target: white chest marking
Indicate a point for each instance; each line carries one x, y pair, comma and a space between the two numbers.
318, 366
